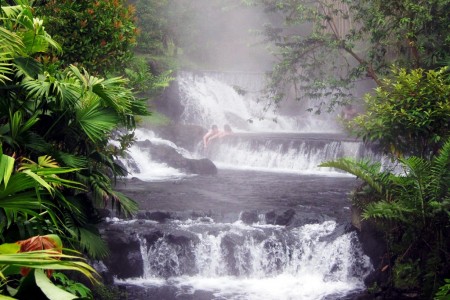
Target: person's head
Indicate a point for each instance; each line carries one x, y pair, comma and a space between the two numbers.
227, 128
214, 128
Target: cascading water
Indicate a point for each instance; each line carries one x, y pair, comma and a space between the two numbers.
258, 261
290, 153
222, 258
235, 99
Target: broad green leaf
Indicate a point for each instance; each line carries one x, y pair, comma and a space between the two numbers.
28, 66
6, 168
39, 180
8, 248
49, 289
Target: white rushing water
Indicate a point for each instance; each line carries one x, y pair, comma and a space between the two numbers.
215, 98
139, 162
262, 262
301, 157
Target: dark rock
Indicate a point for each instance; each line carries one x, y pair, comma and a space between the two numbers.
228, 246
151, 236
249, 217
158, 216
182, 238
271, 217
374, 246
286, 218
166, 154
202, 166
125, 258
103, 213
141, 214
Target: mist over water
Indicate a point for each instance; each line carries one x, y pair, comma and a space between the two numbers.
236, 99
263, 139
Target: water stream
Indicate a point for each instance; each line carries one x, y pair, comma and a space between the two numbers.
270, 225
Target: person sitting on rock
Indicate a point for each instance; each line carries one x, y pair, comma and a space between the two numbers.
207, 137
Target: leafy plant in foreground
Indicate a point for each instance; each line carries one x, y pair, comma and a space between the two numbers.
413, 209
30, 194
408, 114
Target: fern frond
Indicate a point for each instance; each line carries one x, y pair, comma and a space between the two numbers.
124, 204
91, 241
363, 169
440, 173
386, 210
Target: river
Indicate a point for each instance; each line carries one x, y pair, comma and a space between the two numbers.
269, 225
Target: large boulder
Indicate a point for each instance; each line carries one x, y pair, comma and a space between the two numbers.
373, 244
168, 103
125, 259
170, 156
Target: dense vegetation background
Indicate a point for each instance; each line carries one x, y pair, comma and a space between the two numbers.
75, 75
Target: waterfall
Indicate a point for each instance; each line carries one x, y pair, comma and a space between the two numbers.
139, 163
236, 99
294, 244
259, 261
293, 153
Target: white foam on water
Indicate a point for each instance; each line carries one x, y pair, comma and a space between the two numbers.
283, 286
148, 169
268, 268
300, 159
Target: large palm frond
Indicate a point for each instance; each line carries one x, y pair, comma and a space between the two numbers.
64, 92
96, 122
31, 189
10, 44
102, 193
84, 235
391, 210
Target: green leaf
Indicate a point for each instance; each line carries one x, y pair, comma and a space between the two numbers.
49, 289
96, 122
8, 248
6, 168
28, 66
2, 297
39, 180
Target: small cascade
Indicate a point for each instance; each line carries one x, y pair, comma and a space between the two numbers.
139, 162
259, 261
289, 153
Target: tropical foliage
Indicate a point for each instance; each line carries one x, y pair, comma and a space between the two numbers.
408, 114
30, 200
324, 47
97, 35
56, 163
413, 209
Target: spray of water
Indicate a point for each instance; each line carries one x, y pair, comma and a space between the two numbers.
237, 261
213, 99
